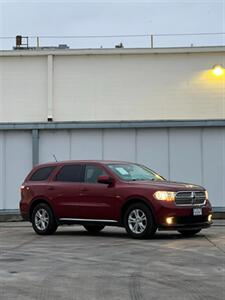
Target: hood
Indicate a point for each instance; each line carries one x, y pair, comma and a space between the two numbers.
169, 185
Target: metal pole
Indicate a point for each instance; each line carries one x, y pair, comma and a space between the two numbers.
38, 45
50, 88
152, 46
35, 146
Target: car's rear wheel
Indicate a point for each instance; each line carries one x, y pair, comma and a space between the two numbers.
43, 220
189, 232
94, 228
139, 221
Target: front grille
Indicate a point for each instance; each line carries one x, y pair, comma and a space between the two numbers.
190, 198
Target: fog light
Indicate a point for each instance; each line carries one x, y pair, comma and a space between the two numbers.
209, 218
169, 220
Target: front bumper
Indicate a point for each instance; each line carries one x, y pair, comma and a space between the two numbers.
182, 217
187, 223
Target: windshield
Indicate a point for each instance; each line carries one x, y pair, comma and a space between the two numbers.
132, 172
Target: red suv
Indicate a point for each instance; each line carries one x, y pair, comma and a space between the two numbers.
96, 194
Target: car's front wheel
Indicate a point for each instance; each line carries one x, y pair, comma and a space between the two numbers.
139, 221
43, 220
189, 232
94, 228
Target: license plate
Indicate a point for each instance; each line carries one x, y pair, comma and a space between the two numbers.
197, 211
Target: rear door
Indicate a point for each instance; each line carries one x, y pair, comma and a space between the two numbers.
97, 200
65, 191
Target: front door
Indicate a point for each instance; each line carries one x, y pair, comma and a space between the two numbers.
97, 200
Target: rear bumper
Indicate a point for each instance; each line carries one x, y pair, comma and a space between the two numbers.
24, 212
25, 217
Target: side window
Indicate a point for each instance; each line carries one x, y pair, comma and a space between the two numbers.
92, 173
42, 174
70, 173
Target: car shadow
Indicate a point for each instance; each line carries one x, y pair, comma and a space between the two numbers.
123, 235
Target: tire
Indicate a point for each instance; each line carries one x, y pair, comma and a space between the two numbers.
43, 220
139, 221
189, 233
94, 228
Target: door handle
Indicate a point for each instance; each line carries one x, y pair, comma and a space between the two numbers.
51, 188
84, 190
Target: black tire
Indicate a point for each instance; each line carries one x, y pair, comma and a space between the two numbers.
43, 220
94, 228
138, 212
189, 233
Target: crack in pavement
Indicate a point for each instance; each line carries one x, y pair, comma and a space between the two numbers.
214, 244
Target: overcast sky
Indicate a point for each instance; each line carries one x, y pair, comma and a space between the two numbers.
66, 18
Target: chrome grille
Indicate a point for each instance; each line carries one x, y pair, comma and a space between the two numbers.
190, 198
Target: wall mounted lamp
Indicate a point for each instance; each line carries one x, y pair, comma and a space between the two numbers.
218, 70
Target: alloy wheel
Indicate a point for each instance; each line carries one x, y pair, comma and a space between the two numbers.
137, 221
41, 219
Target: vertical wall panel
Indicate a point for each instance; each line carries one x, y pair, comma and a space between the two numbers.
23, 88
119, 144
136, 87
213, 167
2, 170
86, 144
18, 160
152, 149
53, 142
185, 155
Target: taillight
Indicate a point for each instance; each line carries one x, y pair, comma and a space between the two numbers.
24, 188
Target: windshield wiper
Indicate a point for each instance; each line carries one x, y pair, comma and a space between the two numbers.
143, 179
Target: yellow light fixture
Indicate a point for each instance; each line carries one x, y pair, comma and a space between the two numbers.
218, 70
169, 220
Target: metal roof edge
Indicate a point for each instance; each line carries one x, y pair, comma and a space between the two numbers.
111, 124
113, 51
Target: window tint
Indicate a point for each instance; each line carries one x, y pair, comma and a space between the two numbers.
42, 174
92, 173
70, 173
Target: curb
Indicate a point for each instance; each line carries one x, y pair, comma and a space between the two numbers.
219, 215
10, 216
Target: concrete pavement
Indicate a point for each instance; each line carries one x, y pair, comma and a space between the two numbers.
72, 264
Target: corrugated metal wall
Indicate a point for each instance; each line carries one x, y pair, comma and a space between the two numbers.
195, 155
16, 161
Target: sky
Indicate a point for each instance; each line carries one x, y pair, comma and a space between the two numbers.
104, 18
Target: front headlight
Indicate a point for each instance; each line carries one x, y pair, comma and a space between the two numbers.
164, 195
206, 195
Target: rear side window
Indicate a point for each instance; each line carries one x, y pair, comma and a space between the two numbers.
70, 173
42, 174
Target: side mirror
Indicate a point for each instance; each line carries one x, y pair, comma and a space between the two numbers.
105, 179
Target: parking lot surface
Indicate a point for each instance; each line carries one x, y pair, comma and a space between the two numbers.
73, 264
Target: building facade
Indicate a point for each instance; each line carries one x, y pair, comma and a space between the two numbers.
160, 107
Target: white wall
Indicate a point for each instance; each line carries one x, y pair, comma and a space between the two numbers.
119, 84
101, 85
16, 162
23, 89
